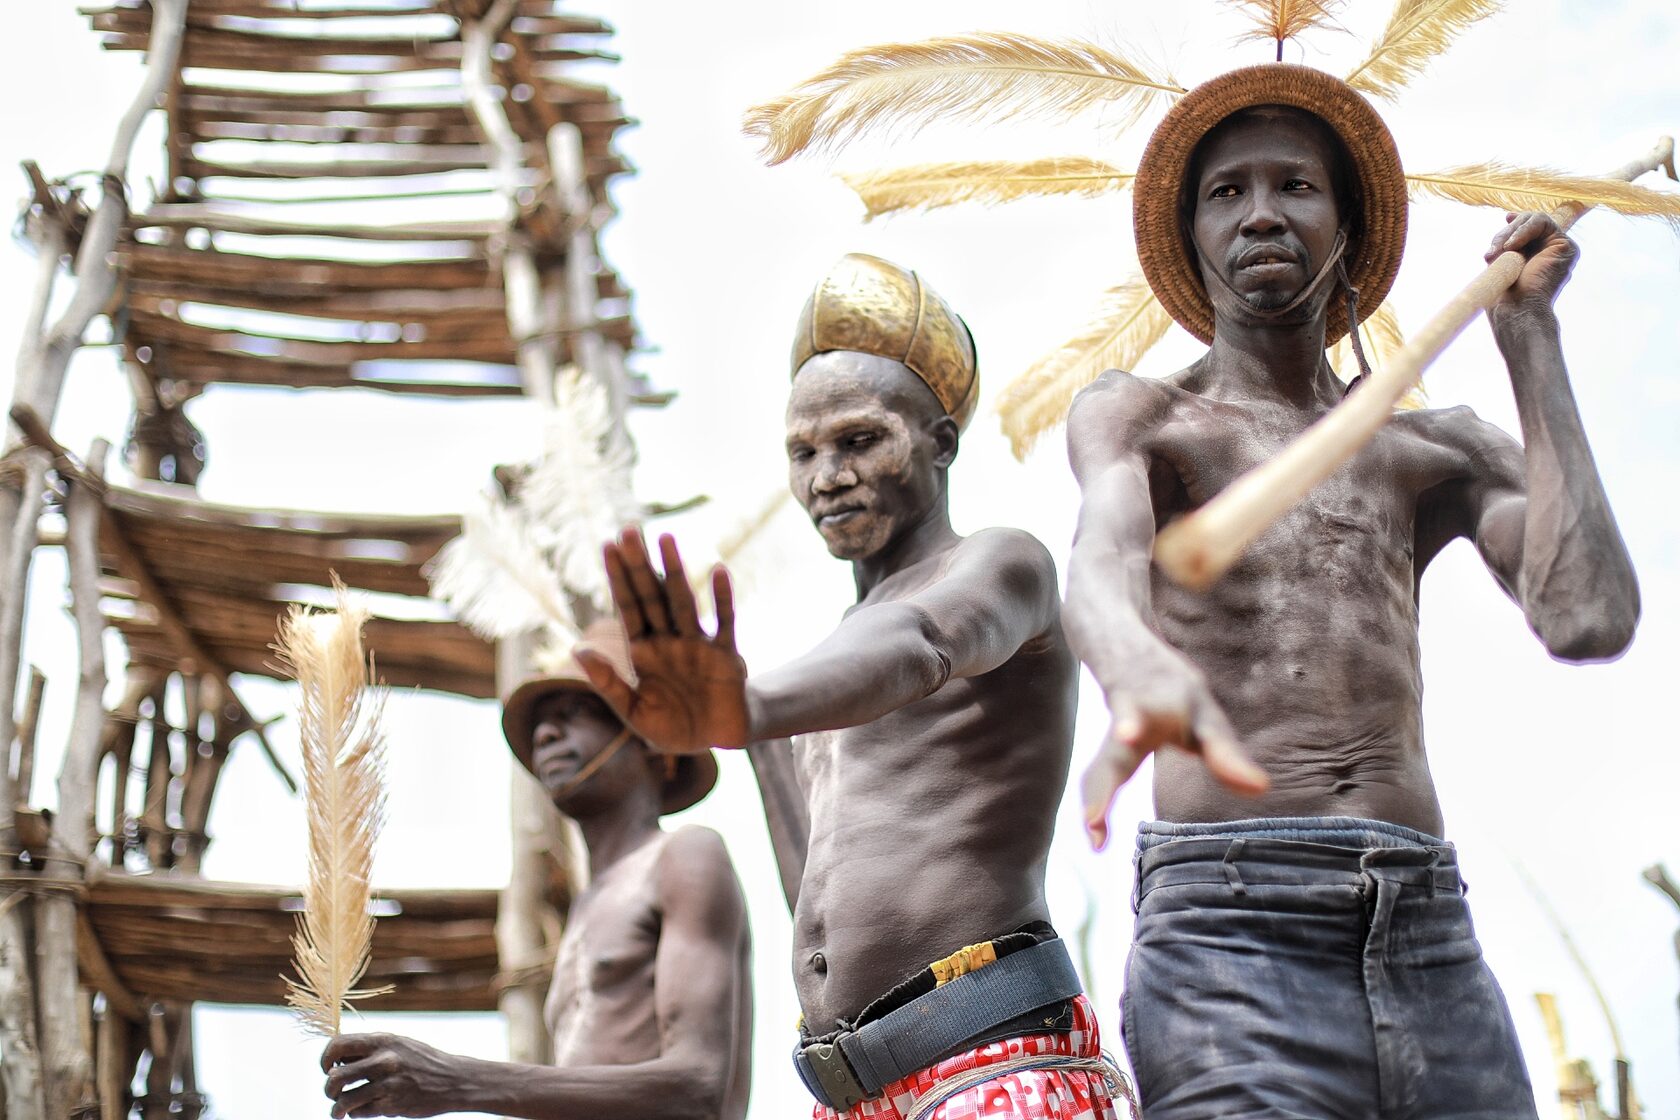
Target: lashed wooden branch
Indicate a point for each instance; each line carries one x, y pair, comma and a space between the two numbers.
1197, 549
66, 1062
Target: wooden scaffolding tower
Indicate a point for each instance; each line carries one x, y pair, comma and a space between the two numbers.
286, 122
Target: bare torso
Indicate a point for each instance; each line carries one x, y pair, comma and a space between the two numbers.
929, 827
601, 1006
1310, 643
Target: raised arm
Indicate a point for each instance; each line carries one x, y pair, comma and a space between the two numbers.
700, 986
1538, 513
1156, 697
996, 594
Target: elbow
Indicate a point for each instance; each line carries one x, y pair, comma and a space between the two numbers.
1585, 636
701, 1097
930, 661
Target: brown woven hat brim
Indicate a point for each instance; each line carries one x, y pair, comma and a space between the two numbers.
688, 781
1168, 263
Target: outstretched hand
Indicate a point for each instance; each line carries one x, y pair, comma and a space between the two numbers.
1170, 708
690, 692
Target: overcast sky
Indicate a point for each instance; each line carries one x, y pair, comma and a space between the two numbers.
1567, 772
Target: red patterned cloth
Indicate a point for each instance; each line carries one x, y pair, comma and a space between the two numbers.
1032, 1094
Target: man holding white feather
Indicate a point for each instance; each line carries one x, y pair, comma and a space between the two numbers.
651, 1002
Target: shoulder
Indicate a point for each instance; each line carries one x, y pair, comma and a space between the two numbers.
695, 873
1123, 398
1476, 446
1117, 416
694, 847
1012, 554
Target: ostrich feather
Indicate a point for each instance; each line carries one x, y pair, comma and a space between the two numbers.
986, 76
578, 495
1380, 335
1417, 31
1536, 188
498, 581
929, 186
1284, 19
1127, 323
344, 796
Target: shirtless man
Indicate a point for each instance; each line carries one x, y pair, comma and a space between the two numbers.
935, 723
651, 1004
1305, 950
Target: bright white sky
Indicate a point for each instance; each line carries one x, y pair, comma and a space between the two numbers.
1569, 772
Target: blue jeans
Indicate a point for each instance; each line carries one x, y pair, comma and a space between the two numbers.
1312, 967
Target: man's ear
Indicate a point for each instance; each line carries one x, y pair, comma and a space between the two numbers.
943, 432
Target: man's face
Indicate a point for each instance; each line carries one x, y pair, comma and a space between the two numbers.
1265, 206
867, 444
570, 728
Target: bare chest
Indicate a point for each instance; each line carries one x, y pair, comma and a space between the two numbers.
604, 971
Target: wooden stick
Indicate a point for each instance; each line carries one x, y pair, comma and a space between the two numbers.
1197, 549
65, 1060
27, 726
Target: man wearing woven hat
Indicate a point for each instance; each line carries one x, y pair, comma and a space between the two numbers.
934, 723
651, 1003
1302, 946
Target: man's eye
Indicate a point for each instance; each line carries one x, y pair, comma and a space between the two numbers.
800, 455
862, 439
1226, 191
1297, 185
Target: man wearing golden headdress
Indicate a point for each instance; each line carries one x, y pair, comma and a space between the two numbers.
651, 1002
934, 723
1302, 946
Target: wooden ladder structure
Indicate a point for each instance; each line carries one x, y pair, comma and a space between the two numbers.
269, 257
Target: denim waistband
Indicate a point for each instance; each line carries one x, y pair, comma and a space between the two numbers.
1339, 832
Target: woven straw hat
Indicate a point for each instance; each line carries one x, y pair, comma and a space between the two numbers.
877, 307
1379, 185
691, 776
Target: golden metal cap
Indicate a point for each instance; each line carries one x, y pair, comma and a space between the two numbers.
876, 307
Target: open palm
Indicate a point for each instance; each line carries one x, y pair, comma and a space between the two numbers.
690, 691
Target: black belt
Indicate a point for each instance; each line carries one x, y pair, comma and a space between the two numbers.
858, 1064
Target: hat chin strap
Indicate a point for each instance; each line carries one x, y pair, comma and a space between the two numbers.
594, 765
1330, 267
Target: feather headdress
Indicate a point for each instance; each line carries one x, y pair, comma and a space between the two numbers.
989, 76
1537, 188
1128, 322
929, 186
344, 794
1417, 31
496, 579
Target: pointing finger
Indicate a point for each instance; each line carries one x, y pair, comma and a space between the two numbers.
723, 603
623, 593
685, 616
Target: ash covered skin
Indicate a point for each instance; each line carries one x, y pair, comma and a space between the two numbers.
861, 430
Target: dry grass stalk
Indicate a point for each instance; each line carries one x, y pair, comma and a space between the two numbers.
1417, 31
929, 186
1128, 322
344, 795
979, 77
1537, 188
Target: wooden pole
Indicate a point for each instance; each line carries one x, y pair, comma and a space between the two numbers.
1197, 549
28, 724
66, 1060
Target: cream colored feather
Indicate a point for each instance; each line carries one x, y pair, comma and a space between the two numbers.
1284, 19
1128, 322
929, 186
344, 796
1536, 188
497, 580
989, 76
1380, 335
579, 494
1417, 31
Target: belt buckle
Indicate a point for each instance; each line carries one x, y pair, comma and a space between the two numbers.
834, 1074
